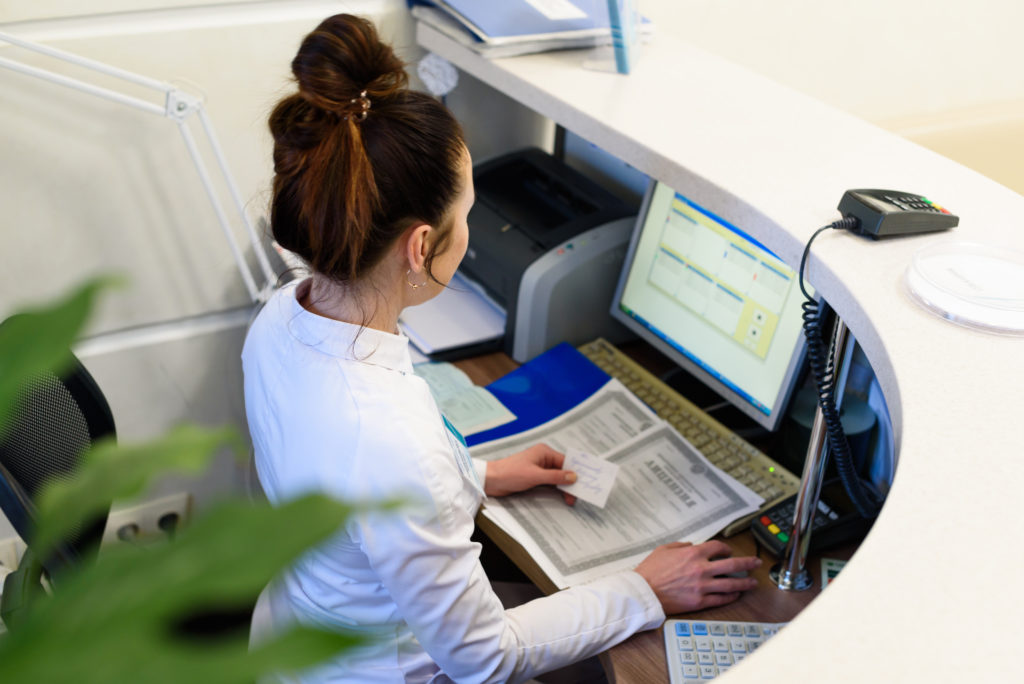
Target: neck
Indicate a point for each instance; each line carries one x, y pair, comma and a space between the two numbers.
363, 303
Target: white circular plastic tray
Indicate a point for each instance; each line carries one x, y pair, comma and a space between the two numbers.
975, 285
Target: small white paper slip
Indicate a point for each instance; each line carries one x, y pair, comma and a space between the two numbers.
595, 477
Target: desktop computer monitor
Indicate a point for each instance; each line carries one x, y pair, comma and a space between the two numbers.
715, 301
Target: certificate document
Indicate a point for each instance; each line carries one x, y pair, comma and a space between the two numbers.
609, 417
665, 491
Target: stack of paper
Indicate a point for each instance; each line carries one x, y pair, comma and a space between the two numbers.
460, 321
513, 27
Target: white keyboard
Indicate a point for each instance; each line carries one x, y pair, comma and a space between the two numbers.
698, 650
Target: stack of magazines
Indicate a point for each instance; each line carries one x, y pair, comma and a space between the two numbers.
504, 28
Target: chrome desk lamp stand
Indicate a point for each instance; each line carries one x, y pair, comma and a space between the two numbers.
791, 574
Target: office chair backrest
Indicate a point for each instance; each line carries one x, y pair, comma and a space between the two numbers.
57, 419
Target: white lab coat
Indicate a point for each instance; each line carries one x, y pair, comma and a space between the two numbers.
337, 409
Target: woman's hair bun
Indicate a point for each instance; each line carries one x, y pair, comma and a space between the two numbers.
339, 60
358, 156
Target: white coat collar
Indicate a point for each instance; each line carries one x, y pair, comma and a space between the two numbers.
337, 338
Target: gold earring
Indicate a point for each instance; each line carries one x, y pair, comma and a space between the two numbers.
412, 284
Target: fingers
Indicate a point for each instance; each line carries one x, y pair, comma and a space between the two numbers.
685, 577
556, 477
546, 457
728, 566
729, 585
715, 548
570, 500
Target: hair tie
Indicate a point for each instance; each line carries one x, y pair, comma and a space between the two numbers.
364, 104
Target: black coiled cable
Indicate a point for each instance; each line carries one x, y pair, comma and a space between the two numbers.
822, 362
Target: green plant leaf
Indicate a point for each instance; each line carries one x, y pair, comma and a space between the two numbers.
110, 471
123, 614
39, 340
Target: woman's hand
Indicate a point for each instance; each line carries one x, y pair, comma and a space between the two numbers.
538, 465
685, 577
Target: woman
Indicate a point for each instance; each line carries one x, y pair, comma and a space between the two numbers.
373, 187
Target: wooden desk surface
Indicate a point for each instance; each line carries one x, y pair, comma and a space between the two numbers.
641, 658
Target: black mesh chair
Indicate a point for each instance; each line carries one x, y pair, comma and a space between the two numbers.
57, 419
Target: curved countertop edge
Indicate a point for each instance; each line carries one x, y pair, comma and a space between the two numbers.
935, 565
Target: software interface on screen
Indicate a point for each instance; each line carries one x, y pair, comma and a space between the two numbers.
714, 300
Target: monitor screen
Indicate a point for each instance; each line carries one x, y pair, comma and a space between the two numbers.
715, 301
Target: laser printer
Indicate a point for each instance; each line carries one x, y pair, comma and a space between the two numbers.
546, 244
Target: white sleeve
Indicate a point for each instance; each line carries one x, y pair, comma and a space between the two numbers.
480, 466
431, 569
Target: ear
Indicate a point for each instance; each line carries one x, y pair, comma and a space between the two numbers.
416, 245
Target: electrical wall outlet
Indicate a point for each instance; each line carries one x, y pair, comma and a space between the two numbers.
140, 523
11, 550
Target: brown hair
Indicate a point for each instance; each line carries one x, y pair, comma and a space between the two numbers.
347, 185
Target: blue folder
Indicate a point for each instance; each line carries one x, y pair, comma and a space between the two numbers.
543, 388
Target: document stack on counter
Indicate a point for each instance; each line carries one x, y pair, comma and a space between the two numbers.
665, 490
461, 321
517, 27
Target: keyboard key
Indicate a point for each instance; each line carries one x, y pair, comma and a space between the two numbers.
716, 646
700, 440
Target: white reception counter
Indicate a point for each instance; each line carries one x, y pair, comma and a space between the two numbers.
934, 592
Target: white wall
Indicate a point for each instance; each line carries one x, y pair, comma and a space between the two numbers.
90, 185
943, 73
878, 59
